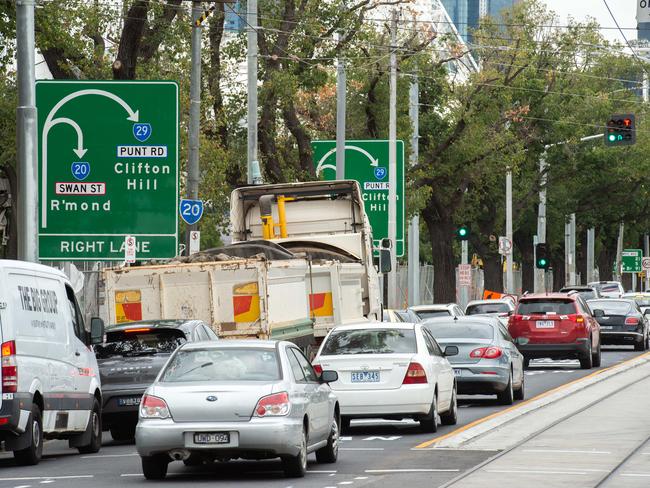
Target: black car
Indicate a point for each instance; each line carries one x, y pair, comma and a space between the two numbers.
621, 322
130, 359
586, 292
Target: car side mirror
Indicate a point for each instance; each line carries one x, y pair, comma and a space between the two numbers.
599, 313
646, 311
511, 313
329, 376
96, 330
451, 351
522, 341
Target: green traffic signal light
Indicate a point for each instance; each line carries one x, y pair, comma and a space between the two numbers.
541, 263
462, 233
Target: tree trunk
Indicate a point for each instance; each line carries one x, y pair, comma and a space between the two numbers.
493, 272
524, 243
558, 273
267, 132
302, 138
215, 34
442, 255
12, 246
132, 32
605, 260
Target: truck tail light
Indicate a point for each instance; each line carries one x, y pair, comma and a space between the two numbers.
415, 375
9, 367
153, 407
275, 405
491, 352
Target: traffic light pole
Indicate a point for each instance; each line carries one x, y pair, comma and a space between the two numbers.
510, 285
464, 259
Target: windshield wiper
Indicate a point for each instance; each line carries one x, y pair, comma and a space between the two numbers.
204, 365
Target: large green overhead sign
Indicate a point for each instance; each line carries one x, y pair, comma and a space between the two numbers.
108, 158
367, 163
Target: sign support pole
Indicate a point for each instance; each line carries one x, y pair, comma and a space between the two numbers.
414, 225
646, 249
510, 285
340, 114
27, 139
393, 299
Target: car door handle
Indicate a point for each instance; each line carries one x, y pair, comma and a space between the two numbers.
77, 353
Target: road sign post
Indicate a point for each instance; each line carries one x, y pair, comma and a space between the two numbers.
632, 260
108, 154
367, 163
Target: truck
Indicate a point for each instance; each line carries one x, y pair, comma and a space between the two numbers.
300, 262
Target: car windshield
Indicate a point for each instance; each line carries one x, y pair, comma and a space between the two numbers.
587, 294
607, 287
430, 314
545, 306
139, 342
226, 364
370, 341
481, 308
460, 331
611, 308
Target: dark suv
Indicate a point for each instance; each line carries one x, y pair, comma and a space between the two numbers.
130, 360
556, 326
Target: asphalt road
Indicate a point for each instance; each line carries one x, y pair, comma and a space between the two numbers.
378, 453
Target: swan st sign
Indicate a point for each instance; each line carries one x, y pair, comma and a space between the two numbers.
108, 159
367, 163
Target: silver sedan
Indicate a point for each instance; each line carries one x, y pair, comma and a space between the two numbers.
238, 399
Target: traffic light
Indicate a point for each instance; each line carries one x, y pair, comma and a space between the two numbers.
620, 130
462, 233
541, 252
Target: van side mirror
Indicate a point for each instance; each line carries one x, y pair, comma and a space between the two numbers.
599, 313
329, 376
451, 351
96, 330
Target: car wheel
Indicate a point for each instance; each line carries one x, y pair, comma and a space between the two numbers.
585, 361
507, 396
296, 466
155, 467
345, 424
450, 417
596, 358
520, 392
330, 453
95, 426
33, 453
430, 422
123, 432
640, 346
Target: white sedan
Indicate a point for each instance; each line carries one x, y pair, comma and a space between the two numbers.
390, 371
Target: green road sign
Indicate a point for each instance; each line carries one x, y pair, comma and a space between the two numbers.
632, 259
367, 163
108, 158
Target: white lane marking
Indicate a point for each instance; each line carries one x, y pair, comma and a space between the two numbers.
344, 438
36, 478
346, 482
109, 455
450, 449
44, 482
382, 438
532, 471
132, 474
23, 486
361, 478
415, 470
321, 472
637, 475
361, 448
566, 451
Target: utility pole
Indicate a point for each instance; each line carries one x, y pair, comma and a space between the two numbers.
392, 165
619, 252
540, 281
254, 176
591, 255
192, 189
572, 250
646, 252
414, 225
510, 284
340, 113
27, 138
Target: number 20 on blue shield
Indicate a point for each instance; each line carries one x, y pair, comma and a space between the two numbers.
191, 210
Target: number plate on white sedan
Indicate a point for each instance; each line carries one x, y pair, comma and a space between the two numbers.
365, 377
212, 438
458, 372
545, 324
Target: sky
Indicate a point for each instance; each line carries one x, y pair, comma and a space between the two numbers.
624, 11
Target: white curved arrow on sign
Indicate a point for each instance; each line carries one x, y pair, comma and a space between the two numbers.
80, 151
321, 166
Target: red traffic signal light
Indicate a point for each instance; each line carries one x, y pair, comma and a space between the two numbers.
620, 130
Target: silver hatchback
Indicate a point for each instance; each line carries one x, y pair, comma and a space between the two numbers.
247, 399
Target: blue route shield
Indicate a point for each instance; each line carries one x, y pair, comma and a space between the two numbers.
141, 131
380, 173
191, 210
80, 170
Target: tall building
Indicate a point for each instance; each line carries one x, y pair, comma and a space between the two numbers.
465, 14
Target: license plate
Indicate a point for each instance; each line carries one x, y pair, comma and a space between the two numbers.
212, 438
545, 324
128, 402
606, 327
365, 377
458, 372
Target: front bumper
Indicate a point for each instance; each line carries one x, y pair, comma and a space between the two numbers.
256, 438
408, 400
621, 338
556, 351
481, 380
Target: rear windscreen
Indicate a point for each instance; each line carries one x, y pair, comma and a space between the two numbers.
608, 287
611, 308
460, 331
140, 342
370, 341
227, 364
545, 306
430, 314
487, 308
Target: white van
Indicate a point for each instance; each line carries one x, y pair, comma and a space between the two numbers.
49, 376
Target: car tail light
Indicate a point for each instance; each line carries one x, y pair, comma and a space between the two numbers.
631, 321
415, 375
275, 405
318, 369
486, 353
578, 319
9, 367
153, 407
139, 329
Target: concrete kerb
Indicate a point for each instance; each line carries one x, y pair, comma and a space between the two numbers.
460, 438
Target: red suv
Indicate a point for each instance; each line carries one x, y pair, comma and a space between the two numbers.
556, 326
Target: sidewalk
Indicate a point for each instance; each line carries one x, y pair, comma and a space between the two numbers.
579, 450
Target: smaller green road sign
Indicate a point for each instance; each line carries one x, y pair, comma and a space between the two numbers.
108, 154
367, 163
632, 260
